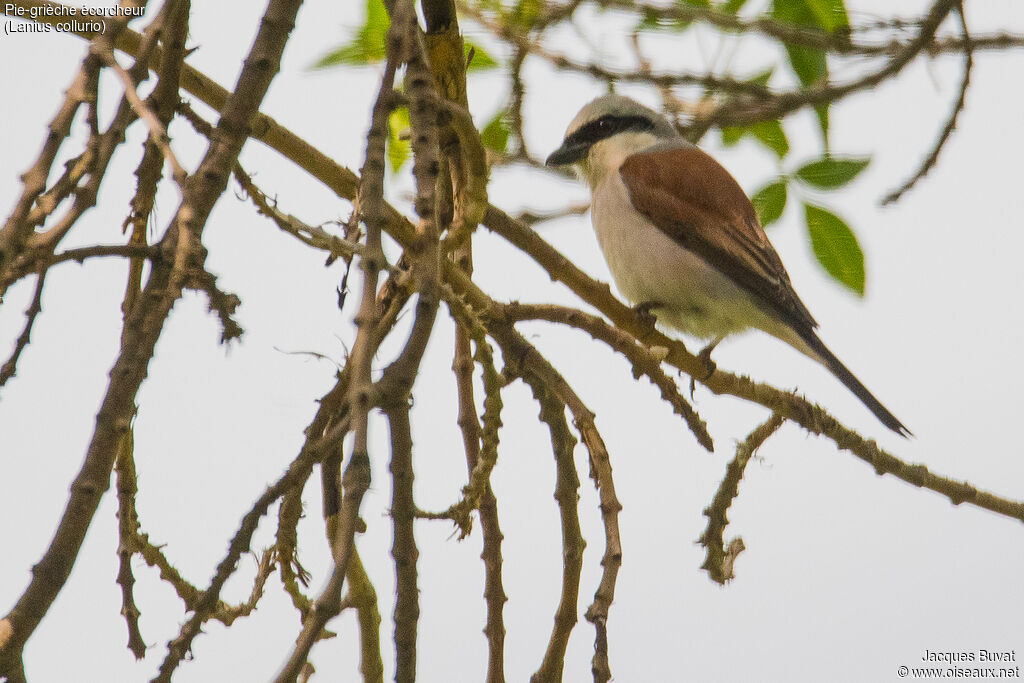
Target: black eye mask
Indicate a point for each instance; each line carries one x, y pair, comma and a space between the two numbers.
607, 126
575, 146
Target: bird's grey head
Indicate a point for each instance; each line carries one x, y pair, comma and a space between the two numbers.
603, 118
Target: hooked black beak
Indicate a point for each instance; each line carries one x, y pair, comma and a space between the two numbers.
568, 153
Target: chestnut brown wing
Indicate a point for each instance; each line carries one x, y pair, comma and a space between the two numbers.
693, 200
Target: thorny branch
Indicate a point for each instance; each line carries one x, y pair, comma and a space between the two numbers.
720, 558
10, 367
552, 412
356, 479
180, 255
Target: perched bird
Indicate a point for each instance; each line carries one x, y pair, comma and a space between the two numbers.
681, 238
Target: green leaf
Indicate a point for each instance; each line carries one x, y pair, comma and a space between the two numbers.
836, 248
829, 173
830, 14
772, 136
732, 134
377, 18
770, 202
768, 133
346, 54
482, 61
651, 21
367, 47
495, 133
762, 78
822, 111
398, 148
732, 6
526, 12
809, 64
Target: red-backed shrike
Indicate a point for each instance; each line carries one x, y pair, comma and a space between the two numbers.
683, 240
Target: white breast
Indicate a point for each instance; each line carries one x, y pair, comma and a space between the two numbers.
648, 266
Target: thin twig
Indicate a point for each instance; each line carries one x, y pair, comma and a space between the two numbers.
227, 614
738, 112
645, 362
127, 532
933, 156
552, 413
154, 556
17, 229
403, 547
172, 25
523, 359
157, 130
719, 560
297, 472
10, 367
356, 479
286, 549
100, 151
481, 444
560, 61
532, 218
363, 597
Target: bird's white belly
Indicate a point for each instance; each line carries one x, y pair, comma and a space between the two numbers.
648, 266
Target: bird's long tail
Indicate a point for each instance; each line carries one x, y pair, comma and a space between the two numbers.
821, 353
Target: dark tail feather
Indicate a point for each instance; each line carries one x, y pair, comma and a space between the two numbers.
836, 367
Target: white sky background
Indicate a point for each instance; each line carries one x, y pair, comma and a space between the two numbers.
846, 575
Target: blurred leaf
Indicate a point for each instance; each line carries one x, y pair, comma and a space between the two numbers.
651, 21
768, 133
830, 172
482, 60
346, 54
772, 136
770, 202
648, 22
809, 64
762, 78
732, 134
398, 149
495, 133
368, 45
822, 111
526, 12
836, 248
830, 14
731, 6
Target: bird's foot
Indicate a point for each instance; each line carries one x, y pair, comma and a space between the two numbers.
709, 365
645, 315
